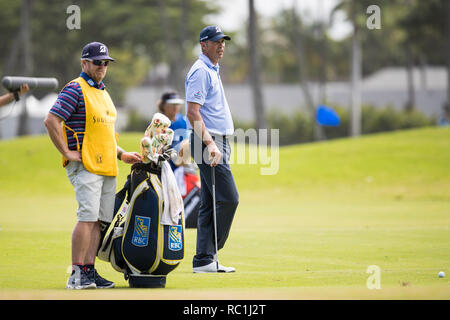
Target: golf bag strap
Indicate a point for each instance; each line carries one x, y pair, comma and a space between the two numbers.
125, 190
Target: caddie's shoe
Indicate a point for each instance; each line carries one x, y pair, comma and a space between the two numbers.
212, 268
100, 282
79, 280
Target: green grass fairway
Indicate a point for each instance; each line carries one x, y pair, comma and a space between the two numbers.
309, 232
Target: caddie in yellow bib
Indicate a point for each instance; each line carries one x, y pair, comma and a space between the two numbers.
99, 147
81, 125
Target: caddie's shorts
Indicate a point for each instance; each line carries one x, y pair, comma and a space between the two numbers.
95, 193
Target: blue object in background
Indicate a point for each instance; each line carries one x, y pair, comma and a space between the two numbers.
326, 116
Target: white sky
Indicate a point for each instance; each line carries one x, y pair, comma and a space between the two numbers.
235, 12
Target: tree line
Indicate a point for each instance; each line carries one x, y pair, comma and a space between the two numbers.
140, 34
144, 34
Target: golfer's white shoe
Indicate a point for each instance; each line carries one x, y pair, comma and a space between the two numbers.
212, 268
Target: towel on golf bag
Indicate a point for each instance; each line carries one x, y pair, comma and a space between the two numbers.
136, 243
174, 205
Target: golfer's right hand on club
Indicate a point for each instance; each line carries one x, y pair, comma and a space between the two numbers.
214, 154
72, 155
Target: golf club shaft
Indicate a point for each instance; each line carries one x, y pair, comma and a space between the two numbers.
213, 174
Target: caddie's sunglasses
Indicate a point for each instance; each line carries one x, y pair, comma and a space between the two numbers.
100, 62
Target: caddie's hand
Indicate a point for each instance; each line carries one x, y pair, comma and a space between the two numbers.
214, 154
131, 157
73, 155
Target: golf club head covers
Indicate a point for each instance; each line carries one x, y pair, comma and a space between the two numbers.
157, 139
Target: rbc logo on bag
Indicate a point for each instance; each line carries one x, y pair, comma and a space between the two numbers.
175, 240
141, 229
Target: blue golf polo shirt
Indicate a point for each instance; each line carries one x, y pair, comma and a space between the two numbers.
179, 127
203, 86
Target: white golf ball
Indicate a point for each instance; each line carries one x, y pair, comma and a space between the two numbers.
441, 274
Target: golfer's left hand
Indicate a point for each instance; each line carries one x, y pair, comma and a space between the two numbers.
131, 157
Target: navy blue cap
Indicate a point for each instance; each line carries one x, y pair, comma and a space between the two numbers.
212, 33
171, 98
95, 51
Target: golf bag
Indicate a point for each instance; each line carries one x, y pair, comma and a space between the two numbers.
135, 242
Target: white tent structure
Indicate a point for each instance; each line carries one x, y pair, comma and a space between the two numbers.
37, 110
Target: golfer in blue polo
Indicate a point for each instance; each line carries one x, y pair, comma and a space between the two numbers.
210, 118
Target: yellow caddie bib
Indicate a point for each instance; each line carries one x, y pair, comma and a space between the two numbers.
99, 149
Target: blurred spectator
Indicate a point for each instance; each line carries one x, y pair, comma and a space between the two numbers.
184, 169
444, 118
7, 98
169, 105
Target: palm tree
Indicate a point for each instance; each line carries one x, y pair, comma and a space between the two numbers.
182, 32
258, 101
356, 63
303, 70
448, 56
173, 47
351, 7
25, 33
410, 103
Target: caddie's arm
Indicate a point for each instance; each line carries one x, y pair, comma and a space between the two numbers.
53, 125
194, 116
128, 157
